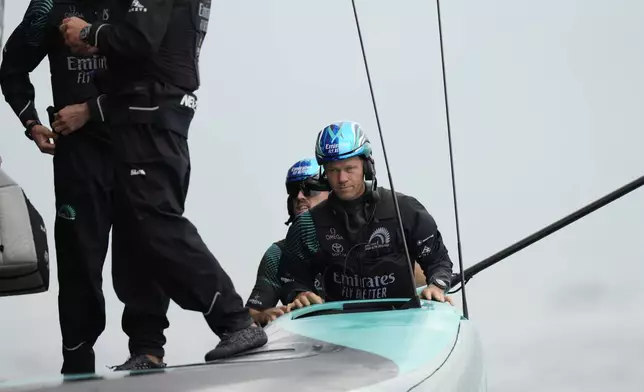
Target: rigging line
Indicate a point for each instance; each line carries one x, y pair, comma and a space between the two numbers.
451, 160
415, 300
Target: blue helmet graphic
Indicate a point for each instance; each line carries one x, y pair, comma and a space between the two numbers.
341, 140
303, 176
302, 170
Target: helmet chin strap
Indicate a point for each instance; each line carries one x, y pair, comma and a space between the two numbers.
291, 212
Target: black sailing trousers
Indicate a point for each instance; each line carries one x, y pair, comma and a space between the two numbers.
83, 179
152, 177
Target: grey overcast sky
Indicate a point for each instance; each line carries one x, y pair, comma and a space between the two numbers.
545, 99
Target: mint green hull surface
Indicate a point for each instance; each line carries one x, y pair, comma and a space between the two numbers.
407, 337
361, 346
434, 347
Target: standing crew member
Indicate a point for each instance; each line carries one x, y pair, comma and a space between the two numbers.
305, 191
365, 257
153, 72
83, 182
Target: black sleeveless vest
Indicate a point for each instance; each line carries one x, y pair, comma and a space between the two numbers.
372, 267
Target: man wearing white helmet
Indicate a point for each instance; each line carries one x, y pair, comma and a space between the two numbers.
353, 239
305, 190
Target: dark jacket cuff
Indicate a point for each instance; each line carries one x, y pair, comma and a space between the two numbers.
92, 37
444, 277
97, 108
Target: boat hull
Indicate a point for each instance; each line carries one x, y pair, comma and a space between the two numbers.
428, 348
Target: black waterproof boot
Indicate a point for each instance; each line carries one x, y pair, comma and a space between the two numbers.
238, 341
139, 362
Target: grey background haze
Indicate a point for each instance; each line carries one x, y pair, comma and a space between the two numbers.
545, 100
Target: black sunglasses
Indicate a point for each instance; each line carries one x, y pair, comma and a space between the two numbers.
307, 188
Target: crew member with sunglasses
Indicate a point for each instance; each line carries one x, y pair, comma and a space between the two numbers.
305, 190
353, 238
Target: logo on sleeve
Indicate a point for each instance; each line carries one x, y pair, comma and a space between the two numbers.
137, 7
426, 251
